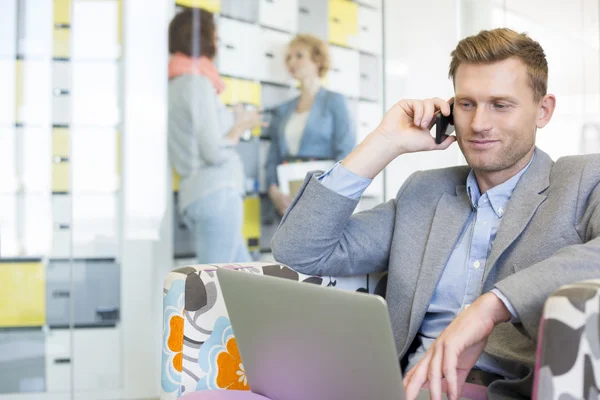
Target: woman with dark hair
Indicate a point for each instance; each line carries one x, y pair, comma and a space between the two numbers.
202, 137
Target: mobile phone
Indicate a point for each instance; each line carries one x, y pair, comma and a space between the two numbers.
441, 125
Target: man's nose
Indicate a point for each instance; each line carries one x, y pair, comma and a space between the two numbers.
482, 120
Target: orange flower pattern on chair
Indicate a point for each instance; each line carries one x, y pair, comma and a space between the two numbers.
175, 341
220, 358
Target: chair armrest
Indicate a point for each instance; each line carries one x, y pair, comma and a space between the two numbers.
198, 347
569, 344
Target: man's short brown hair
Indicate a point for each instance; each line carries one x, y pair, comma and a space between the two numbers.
498, 45
319, 51
192, 32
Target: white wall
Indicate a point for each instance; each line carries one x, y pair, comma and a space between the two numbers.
419, 36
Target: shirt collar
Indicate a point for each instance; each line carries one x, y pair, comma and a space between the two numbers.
498, 196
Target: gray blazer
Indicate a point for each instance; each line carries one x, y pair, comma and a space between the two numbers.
549, 236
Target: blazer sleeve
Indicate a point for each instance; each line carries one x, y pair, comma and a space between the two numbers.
274, 157
528, 289
320, 235
344, 134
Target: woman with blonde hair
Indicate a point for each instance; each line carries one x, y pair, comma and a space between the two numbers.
314, 125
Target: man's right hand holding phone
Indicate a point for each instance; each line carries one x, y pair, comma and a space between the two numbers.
405, 128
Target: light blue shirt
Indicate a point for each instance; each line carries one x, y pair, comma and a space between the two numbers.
462, 279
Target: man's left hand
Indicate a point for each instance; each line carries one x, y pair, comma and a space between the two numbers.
450, 358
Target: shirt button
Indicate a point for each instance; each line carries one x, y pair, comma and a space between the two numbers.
467, 306
501, 211
476, 264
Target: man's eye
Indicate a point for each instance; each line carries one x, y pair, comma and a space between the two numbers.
465, 105
500, 106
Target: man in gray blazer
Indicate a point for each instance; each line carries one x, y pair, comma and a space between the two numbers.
472, 252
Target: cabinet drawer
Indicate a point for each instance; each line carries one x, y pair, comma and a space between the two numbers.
92, 285
344, 76
313, 18
370, 84
246, 10
343, 23
22, 361
23, 295
279, 14
274, 47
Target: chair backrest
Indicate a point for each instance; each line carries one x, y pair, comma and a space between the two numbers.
199, 351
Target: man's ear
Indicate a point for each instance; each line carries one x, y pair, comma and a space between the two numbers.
546, 109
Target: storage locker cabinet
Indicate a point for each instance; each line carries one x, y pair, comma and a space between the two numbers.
95, 94
62, 12
251, 227
96, 359
8, 161
235, 57
10, 245
94, 291
370, 30
62, 45
92, 227
95, 30
213, 6
240, 91
23, 295
279, 14
369, 78
249, 153
273, 95
8, 29
369, 117
344, 74
273, 47
35, 28
245, 10
343, 23
33, 92
22, 361
8, 71
313, 18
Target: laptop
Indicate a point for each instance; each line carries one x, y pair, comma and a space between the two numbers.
302, 341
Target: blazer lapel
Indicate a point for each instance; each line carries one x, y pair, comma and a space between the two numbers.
286, 112
450, 217
524, 202
312, 127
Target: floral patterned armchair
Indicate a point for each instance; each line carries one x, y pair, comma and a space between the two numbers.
199, 351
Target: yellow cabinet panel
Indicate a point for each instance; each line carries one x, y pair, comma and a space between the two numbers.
23, 294
176, 180
60, 177
62, 12
251, 227
242, 91
60, 142
61, 42
343, 23
213, 6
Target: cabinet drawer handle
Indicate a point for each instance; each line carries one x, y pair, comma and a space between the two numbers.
62, 227
62, 361
229, 47
61, 294
60, 92
107, 314
269, 55
304, 10
60, 159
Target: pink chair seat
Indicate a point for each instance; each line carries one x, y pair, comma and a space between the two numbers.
223, 395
